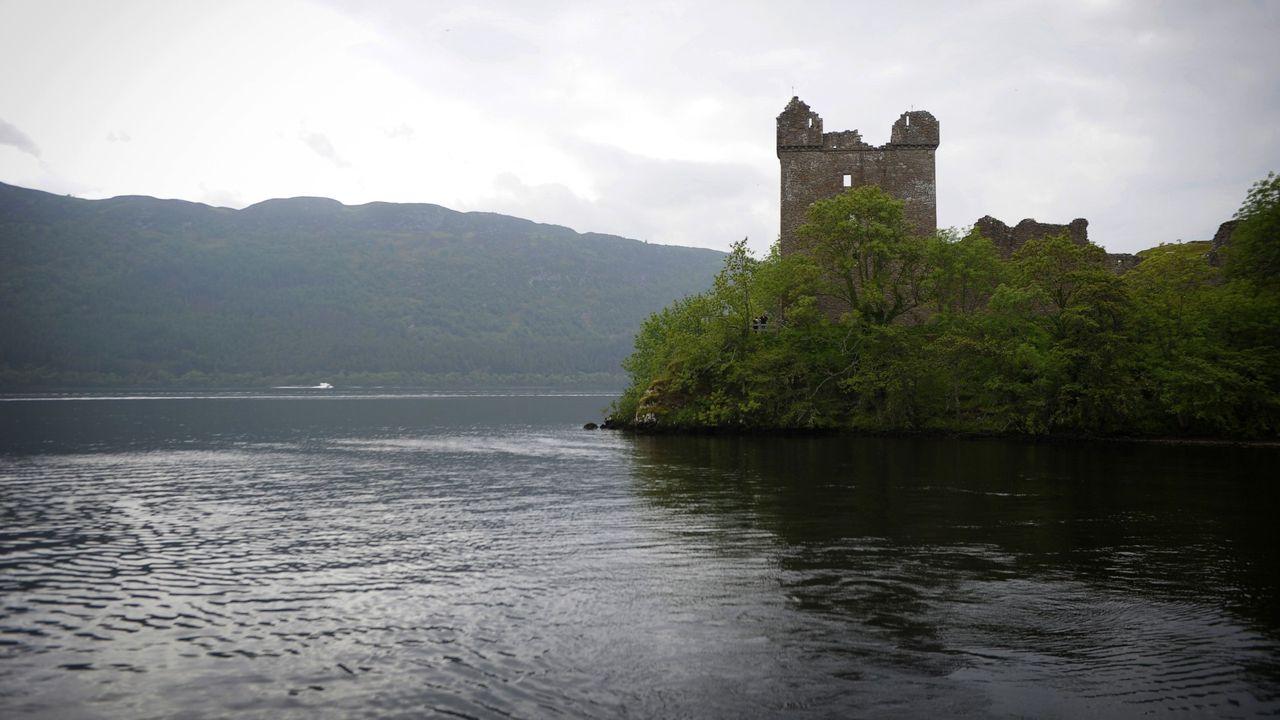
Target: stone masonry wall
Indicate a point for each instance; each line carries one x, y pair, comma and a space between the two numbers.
1221, 240
818, 165
1008, 239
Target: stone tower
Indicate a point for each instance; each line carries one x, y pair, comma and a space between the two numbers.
817, 165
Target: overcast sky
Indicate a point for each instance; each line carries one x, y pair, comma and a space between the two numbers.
652, 120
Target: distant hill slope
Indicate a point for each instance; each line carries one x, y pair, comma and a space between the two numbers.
138, 290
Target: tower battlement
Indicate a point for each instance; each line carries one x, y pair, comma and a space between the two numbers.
818, 165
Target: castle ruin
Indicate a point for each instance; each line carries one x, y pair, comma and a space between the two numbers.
1008, 239
818, 165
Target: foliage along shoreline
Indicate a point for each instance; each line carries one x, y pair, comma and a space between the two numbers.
1058, 438
868, 328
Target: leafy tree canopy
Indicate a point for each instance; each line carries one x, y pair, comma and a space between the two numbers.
1254, 253
871, 262
873, 329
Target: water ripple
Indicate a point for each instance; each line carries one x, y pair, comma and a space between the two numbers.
548, 572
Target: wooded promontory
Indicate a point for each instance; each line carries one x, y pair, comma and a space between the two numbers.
866, 325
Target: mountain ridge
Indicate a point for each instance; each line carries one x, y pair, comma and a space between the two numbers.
143, 290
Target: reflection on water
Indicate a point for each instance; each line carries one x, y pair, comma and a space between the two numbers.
484, 557
1059, 580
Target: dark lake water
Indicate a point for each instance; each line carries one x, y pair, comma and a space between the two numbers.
332, 556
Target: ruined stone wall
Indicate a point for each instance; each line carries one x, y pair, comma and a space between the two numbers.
1221, 240
818, 165
1121, 263
1008, 239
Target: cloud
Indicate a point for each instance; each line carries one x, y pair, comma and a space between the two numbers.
11, 135
321, 146
708, 204
219, 197
400, 132
1151, 120
118, 136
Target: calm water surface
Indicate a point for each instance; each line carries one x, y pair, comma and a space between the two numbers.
320, 555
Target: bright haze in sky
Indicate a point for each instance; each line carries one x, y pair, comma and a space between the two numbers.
651, 120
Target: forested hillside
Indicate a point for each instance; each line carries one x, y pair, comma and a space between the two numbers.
140, 291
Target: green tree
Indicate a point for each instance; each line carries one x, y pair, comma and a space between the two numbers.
1002, 359
1171, 289
963, 271
735, 288
671, 347
1254, 251
752, 351
872, 263
1085, 308
1205, 348
897, 384
1047, 341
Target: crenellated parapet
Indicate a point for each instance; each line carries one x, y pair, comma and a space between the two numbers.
916, 127
799, 127
817, 165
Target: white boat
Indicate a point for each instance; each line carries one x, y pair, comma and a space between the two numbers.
323, 386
